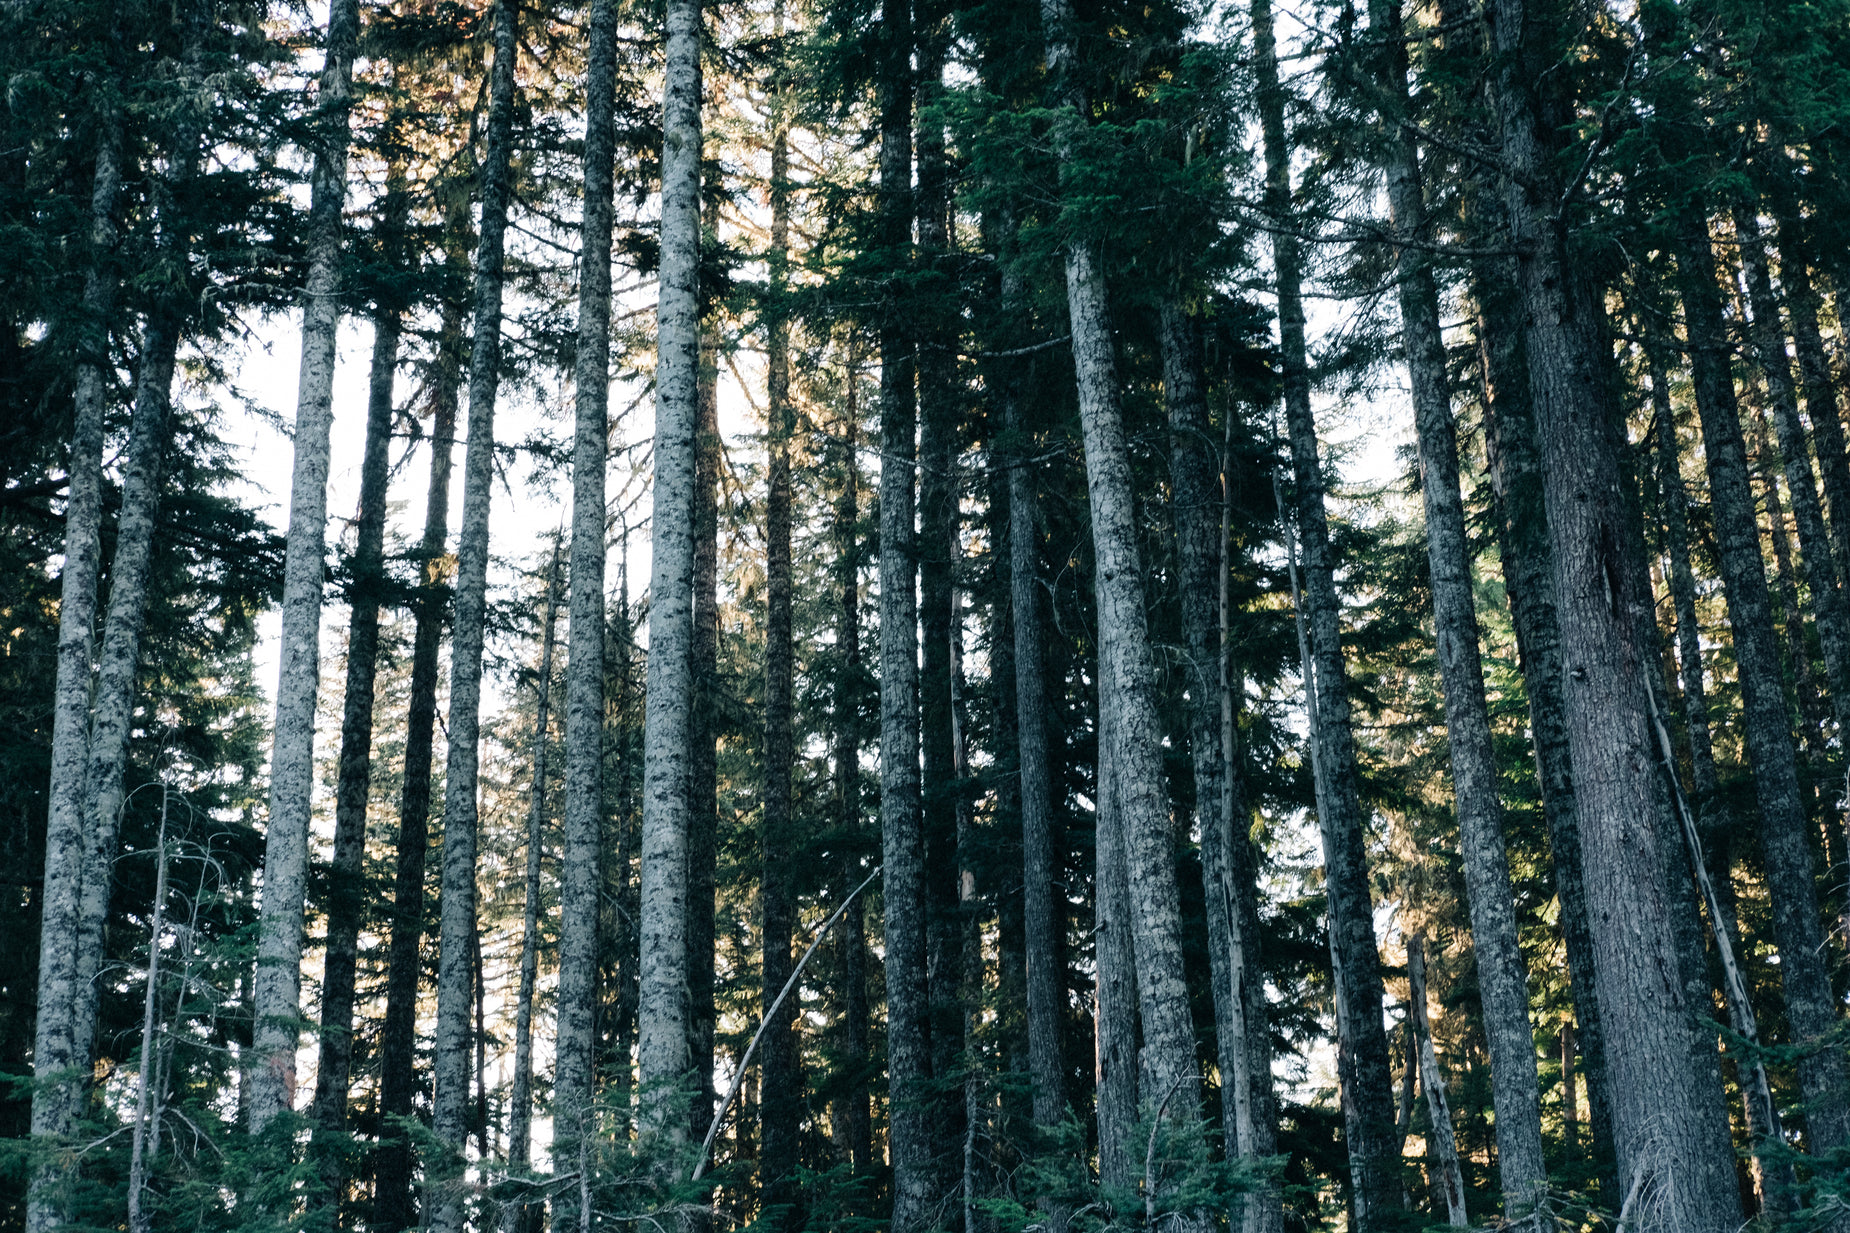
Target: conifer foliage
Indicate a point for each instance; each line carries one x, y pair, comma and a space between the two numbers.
1059, 615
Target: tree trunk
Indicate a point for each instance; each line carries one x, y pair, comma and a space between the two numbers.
703, 762
1116, 1069
277, 1005
1502, 981
851, 1110
457, 926
1367, 1095
1528, 580
1046, 997
1442, 1144
393, 1205
1820, 392
58, 1059
780, 1082
1797, 928
346, 907
519, 1216
1669, 1122
1131, 736
909, 1126
663, 1011
581, 855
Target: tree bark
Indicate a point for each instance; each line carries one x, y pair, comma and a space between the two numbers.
519, 1216
1116, 1070
663, 1011
58, 1057
393, 1205
780, 1081
346, 907
1368, 1113
1797, 927
1442, 1145
1131, 737
1502, 981
909, 1128
1669, 1122
581, 855
457, 924
1820, 392
277, 994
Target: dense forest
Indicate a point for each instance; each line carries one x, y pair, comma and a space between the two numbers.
1085, 615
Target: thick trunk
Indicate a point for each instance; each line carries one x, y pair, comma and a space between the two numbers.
1367, 1096
1441, 1142
1797, 928
1502, 981
1528, 582
519, 1216
346, 906
780, 1089
450, 1119
278, 990
581, 852
909, 1128
1115, 1073
663, 1012
58, 1060
1669, 1122
1131, 737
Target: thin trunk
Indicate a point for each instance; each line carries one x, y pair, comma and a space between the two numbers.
1441, 1142
399, 1084
1670, 1126
516, 1217
1367, 1088
140, 1151
703, 762
1797, 927
1502, 981
1819, 390
278, 991
663, 1012
909, 1124
779, 1080
582, 846
457, 924
346, 907
1570, 1094
1764, 466
1132, 736
852, 1111
1039, 846
58, 1060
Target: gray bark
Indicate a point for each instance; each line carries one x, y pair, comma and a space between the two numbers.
518, 1216
1669, 1122
1442, 1142
582, 848
663, 1011
1116, 1071
1367, 1095
1131, 738
909, 1129
278, 990
1820, 392
1502, 981
450, 1120
1527, 560
58, 1062
1797, 926
346, 907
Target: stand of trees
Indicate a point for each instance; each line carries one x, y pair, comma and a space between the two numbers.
1060, 772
